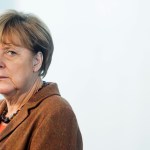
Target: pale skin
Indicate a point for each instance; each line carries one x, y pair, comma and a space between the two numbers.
19, 68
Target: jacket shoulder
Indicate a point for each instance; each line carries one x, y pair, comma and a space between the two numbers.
56, 103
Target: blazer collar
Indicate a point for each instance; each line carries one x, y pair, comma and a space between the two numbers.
48, 90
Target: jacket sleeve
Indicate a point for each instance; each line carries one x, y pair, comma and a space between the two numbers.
59, 131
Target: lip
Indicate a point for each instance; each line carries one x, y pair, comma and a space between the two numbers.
3, 77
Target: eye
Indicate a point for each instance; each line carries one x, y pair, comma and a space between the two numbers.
11, 53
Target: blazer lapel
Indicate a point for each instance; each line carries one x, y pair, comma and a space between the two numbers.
2, 105
20, 117
49, 90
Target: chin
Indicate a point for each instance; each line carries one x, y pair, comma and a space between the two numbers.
6, 89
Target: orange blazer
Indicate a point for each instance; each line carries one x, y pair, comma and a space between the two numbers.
46, 122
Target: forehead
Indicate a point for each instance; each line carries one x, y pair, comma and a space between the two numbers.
10, 40
6, 45
15, 37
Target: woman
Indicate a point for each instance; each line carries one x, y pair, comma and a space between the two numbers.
33, 115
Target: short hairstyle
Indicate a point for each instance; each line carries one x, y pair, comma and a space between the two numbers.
32, 33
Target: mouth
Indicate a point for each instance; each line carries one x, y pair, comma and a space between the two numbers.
3, 77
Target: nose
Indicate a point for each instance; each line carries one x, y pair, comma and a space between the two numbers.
2, 64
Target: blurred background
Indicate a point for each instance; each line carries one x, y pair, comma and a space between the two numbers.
101, 63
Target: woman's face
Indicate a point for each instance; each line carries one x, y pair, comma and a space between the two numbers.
16, 69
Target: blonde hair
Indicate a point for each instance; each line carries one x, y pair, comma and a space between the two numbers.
30, 31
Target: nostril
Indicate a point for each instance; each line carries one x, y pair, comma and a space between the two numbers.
2, 65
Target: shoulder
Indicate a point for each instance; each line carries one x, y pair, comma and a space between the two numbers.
49, 99
56, 104
54, 111
48, 104
57, 111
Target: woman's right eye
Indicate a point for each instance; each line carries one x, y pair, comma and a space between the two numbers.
11, 53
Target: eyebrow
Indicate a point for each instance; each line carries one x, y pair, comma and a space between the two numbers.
8, 44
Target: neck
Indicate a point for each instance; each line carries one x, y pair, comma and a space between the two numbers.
17, 100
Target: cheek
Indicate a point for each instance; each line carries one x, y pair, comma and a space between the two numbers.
6, 87
20, 73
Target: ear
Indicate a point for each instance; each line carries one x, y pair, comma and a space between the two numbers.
37, 61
